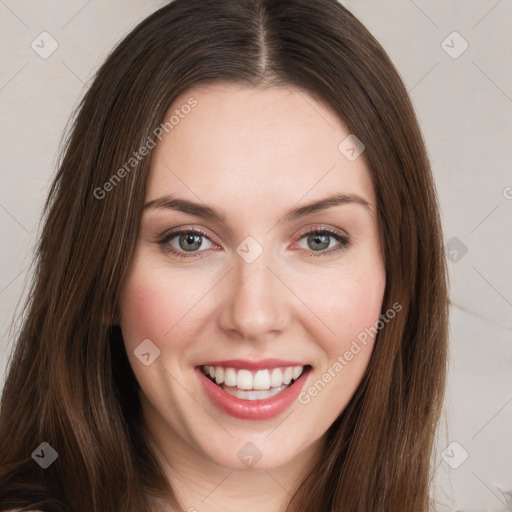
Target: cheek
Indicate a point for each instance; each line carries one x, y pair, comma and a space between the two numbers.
351, 310
348, 304
142, 310
155, 307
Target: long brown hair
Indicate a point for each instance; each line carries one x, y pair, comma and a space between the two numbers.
69, 381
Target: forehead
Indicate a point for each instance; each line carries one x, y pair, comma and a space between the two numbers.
275, 144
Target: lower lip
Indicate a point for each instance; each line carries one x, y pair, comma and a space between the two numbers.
252, 409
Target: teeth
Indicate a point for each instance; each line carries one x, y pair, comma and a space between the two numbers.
288, 375
297, 371
276, 379
219, 375
230, 377
261, 380
254, 395
244, 379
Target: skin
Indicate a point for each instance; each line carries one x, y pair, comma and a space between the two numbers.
253, 154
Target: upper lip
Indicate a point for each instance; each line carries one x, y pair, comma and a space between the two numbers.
254, 365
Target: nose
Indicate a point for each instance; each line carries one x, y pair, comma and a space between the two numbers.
256, 305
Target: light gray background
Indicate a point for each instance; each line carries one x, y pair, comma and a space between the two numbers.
464, 105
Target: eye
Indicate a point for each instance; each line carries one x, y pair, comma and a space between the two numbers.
319, 240
191, 241
187, 241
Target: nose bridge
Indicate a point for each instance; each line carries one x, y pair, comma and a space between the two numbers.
256, 300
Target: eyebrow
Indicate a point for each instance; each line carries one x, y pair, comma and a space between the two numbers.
208, 212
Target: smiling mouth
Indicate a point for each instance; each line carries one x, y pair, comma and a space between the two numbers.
254, 384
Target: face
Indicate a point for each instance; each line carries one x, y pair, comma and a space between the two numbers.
244, 302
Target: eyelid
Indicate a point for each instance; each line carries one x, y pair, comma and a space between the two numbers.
171, 233
343, 238
164, 240
321, 228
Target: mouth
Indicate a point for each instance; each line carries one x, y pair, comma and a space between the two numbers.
253, 384
249, 390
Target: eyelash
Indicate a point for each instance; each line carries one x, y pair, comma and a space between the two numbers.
344, 242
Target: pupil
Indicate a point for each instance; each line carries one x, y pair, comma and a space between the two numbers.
316, 241
194, 240
323, 244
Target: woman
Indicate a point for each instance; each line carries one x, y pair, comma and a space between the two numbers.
240, 298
